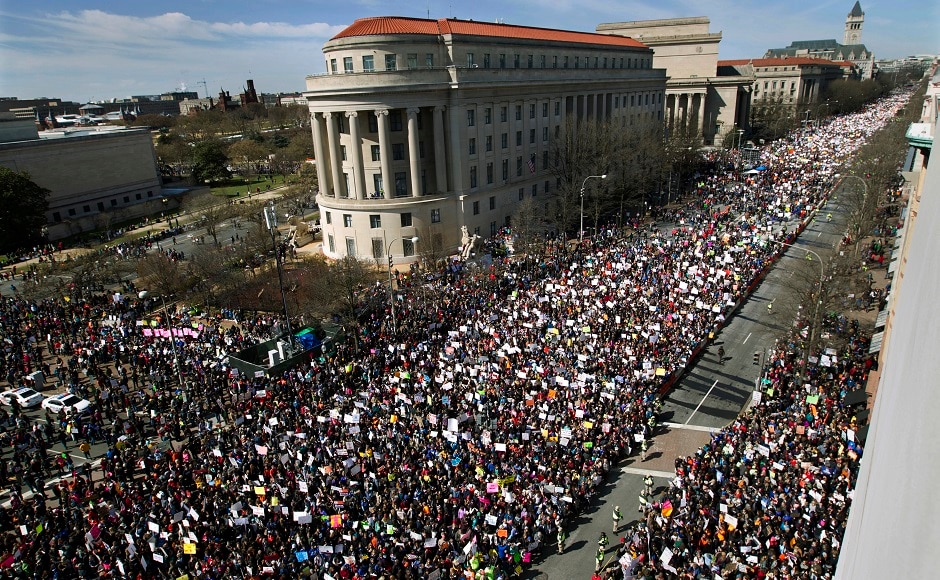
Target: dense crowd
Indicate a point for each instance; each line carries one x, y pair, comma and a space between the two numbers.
458, 448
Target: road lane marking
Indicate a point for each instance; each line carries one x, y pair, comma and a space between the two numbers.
693, 427
638, 471
701, 402
748, 336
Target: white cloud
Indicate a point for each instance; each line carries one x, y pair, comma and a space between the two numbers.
92, 53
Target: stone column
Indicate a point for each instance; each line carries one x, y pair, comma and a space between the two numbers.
385, 154
323, 176
413, 157
336, 159
440, 151
359, 181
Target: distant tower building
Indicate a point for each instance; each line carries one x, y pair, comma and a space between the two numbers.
853, 25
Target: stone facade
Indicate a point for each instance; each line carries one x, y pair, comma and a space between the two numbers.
424, 127
96, 176
697, 95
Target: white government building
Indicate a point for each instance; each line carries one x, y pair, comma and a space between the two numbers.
425, 127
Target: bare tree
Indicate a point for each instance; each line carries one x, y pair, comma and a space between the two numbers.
210, 211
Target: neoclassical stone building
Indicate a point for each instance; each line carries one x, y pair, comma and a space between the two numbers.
432, 128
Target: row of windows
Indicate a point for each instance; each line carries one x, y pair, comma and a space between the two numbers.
566, 61
413, 60
378, 246
375, 220
72, 212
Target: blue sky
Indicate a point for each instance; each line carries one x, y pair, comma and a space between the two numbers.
83, 50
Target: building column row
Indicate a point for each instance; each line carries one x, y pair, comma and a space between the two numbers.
329, 161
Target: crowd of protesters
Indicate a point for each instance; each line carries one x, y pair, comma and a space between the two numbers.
462, 447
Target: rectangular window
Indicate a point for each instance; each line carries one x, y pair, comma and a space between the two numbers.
476, 208
100, 206
394, 119
471, 118
429, 60
489, 173
378, 190
532, 136
531, 60
596, 59
113, 202
489, 143
521, 193
518, 138
473, 176
412, 60
544, 134
518, 112
605, 62
376, 153
333, 68
435, 216
137, 197
347, 64
470, 63
557, 108
555, 61
351, 247
546, 187
502, 61
375, 221
486, 60
56, 217
566, 62
544, 159
373, 123
577, 62
472, 146
505, 169
378, 249
71, 211
545, 110
368, 63
407, 247
398, 151
519, 166
492, 228
406, 220
535, 189
542, 61
391, 62
515, 61
504, 140
331, 243
401, 184
347, 220
503, 114
487, 116
492, 202
329, 218
342, 151
421, 149
532, 111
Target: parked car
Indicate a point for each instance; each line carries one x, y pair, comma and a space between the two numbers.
67, 401
24, 396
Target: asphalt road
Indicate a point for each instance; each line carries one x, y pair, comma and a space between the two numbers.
707, 398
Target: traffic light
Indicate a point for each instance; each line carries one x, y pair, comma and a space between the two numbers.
757, 358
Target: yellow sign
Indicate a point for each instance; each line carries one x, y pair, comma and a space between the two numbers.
189, 548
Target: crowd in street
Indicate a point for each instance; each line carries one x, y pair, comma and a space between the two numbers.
462, 447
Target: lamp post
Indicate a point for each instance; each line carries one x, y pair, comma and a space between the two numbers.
391, 295
270, 218
583, 184
817, 299
169, 323
864, 183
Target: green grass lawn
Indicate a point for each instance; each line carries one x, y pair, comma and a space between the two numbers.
240, 186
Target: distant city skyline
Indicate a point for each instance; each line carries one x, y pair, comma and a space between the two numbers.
99, 50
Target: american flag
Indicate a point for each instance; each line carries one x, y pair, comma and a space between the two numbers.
531, 164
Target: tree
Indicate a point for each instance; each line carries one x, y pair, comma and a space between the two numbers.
212, 211
209, 162
528, 229
23, 206
174, 152
248, 154
160, 274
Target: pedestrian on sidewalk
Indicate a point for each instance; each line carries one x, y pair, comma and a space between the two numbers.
617, 515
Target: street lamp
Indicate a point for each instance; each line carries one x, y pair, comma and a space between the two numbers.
169, 324
270, 218
817, 300
864, 183
583, 184
391, 296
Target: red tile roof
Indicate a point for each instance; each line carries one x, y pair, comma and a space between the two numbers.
400, 25
789, 61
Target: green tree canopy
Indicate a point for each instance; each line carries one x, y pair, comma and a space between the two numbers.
209, 161
23, 206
